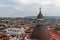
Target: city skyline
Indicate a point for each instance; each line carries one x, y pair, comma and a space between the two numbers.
22, 8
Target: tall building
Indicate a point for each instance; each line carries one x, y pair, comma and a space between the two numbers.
40, 31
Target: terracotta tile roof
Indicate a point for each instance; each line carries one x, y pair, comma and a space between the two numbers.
2, 35
54, 35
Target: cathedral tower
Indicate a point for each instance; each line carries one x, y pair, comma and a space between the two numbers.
40, 31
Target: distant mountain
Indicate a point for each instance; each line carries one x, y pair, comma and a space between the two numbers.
30, 17
33, 17
46, 18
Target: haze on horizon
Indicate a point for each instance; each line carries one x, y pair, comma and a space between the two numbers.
21, 8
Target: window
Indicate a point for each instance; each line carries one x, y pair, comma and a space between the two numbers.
7, 39
3, 39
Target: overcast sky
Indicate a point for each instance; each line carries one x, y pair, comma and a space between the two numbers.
21, 8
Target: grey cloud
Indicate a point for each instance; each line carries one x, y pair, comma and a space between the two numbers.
12, 8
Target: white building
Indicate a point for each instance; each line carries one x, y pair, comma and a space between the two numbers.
17, 32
